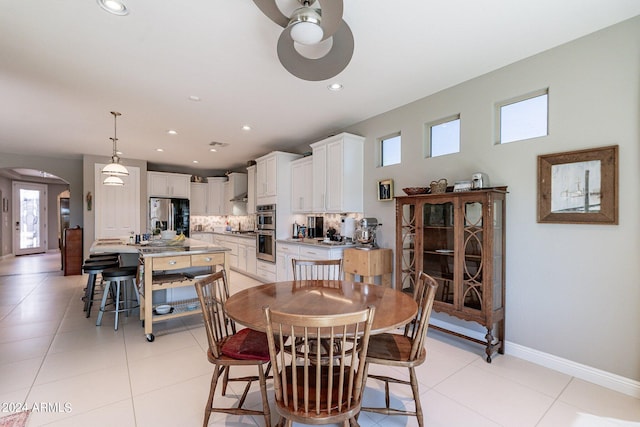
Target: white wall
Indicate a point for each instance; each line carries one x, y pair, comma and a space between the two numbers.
572, 290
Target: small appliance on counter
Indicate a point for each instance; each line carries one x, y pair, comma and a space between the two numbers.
348, 228
315, 227
366, 233
479, 180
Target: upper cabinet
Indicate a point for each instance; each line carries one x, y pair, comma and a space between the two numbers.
198, 199
251, 190
302, 185
216, 196
272, 178
236, 194
162, 184
338, 169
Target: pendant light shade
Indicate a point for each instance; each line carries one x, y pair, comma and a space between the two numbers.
113, 180
114, 169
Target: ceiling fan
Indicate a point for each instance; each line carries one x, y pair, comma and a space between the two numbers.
308, 25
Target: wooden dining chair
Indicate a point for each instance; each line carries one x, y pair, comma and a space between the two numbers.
310, 392
230, 348
325, 269
404, 350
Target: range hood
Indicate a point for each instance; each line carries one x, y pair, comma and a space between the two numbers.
241, 198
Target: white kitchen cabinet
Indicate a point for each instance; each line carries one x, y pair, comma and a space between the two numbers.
273, 178
230, 243
235, 194
285, 253
205, 237
215, 196
251, 190
162, 184
266, 271
252, 260
302, 185
338, 168
198, 199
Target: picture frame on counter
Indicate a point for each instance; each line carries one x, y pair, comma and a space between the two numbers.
579, 187
385, 190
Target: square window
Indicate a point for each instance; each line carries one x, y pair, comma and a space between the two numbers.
390, 150
443, 136
523, 118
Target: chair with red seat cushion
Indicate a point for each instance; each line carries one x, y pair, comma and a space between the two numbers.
227, 347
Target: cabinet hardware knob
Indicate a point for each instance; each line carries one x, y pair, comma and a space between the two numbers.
172, 262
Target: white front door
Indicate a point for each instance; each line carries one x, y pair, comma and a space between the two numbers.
29, 218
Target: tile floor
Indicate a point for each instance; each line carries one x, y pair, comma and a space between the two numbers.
77, 374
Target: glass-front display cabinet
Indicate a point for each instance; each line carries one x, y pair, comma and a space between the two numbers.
458, 239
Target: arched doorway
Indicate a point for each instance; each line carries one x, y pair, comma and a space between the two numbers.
38, 220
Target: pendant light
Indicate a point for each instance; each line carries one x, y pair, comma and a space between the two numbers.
114, 169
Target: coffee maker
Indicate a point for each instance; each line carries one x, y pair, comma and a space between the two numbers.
366, 233
315, 227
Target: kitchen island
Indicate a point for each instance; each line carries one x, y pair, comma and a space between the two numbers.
165, 265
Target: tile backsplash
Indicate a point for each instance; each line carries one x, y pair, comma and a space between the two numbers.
219, 223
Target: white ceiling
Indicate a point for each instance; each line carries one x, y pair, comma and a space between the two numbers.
65, 64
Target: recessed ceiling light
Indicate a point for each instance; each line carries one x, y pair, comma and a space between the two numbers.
335, 87
159, 150
213, 150
115, 7
246, 127
194, 98
172, 132
195, 161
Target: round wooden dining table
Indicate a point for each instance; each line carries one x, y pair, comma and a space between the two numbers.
322, 297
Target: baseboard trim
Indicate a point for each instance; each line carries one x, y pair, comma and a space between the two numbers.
587, 373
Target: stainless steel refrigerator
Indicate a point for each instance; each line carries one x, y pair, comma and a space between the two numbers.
169, 214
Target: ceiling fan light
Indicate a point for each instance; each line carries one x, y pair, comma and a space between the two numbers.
305, 26
113, 180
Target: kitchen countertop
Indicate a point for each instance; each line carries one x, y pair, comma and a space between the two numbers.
251, 234
156, 247
317, 243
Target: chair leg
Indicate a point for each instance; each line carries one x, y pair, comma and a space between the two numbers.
225, 380
416, 395
212, 390
115, 326
105, 295
265, 401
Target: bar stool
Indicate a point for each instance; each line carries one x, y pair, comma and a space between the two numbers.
93, 267
113, 279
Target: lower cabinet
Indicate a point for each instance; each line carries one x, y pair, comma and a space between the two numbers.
286, 252
266, 271
243, 251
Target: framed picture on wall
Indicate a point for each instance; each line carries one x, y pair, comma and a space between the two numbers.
579, 187
385, 190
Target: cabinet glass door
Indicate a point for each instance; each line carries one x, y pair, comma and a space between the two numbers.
472, 292
439, 247
408, 233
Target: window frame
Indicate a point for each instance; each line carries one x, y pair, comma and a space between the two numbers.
381, 141
498, 114
428, 143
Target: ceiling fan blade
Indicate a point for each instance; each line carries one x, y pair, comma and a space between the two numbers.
331, 16
270, 8
318, 69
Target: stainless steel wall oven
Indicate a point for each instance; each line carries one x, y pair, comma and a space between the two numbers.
266, 233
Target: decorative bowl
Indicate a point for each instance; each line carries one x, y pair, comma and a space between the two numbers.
163, 309
412, 191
